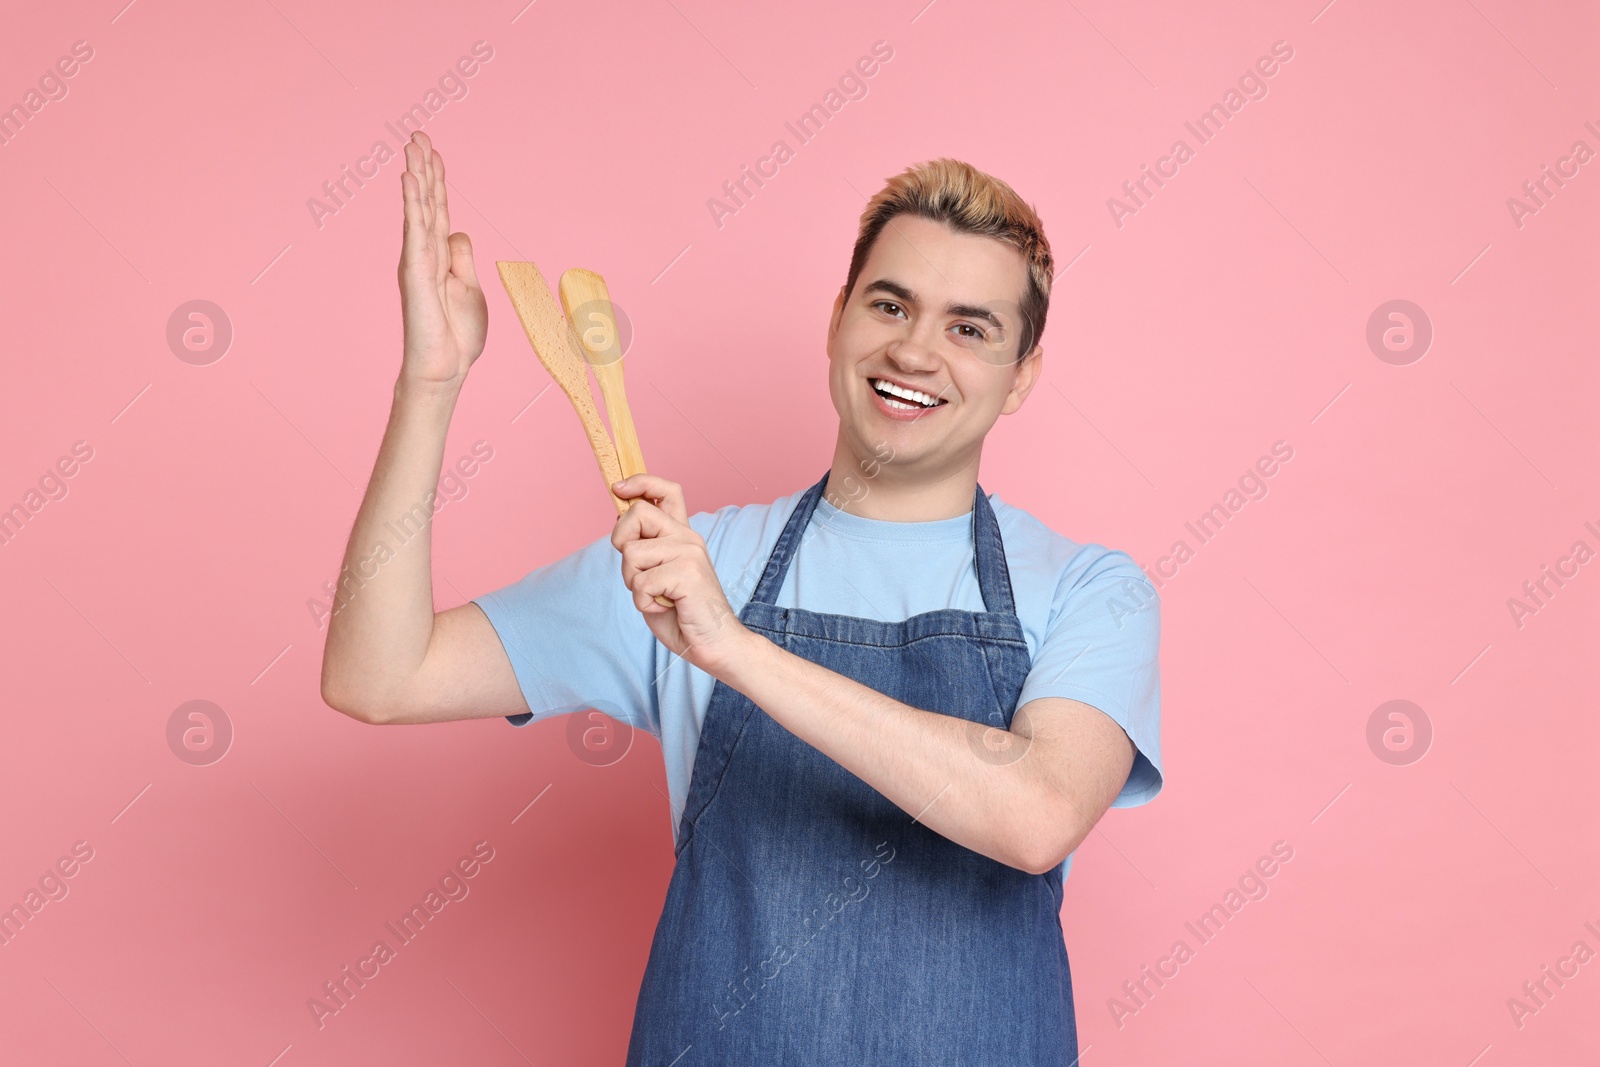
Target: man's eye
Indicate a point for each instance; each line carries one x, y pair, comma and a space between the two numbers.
975, 335
887, 304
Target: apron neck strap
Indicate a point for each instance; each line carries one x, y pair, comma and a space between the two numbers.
994, 577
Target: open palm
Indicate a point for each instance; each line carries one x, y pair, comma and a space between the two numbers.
446, 317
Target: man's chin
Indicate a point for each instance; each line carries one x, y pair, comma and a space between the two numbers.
881, 446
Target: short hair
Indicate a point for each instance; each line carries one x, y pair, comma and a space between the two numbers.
968, 201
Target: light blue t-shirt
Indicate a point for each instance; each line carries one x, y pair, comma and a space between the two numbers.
1090, 615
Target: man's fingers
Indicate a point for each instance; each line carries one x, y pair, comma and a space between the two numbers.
653, 522
417, 167
629, 525
663, 580
625, 529
416, 191
645, 553
415, 228
655, 487
441, 209
648, 604
642, 519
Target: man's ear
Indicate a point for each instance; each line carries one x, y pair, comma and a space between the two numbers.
1027, 376
838, 309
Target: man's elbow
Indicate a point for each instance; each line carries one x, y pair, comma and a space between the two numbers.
1045, 846
1043, 861
340, 699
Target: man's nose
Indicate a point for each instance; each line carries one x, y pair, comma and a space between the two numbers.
914, 352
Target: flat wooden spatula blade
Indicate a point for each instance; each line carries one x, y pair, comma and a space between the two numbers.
547, 332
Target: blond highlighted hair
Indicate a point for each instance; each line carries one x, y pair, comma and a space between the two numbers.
968, 201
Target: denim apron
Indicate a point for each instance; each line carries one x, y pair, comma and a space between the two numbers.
809, 920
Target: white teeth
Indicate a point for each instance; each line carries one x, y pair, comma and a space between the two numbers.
915, 395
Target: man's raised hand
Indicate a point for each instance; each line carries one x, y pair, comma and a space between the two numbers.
446, 316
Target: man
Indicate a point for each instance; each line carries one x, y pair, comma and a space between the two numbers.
891, 705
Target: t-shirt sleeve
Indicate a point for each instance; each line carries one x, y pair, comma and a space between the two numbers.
1102, 648
576, 640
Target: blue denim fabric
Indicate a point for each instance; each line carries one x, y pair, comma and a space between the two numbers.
809, 920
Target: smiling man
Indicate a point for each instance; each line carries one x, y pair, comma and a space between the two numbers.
891, 705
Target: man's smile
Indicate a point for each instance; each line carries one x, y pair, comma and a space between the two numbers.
901, 401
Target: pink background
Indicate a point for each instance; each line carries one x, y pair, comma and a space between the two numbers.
1229, 313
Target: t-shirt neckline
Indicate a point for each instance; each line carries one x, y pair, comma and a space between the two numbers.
858, 527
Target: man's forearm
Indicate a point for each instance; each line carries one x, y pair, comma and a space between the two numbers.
383, 610
923, 761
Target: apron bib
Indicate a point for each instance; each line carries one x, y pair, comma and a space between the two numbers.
809, 920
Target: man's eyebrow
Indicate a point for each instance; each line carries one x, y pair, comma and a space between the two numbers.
905, 295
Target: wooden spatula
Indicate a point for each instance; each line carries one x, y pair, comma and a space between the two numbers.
547, 331
594, 326
554, 342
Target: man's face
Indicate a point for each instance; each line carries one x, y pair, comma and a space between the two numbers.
936, 312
